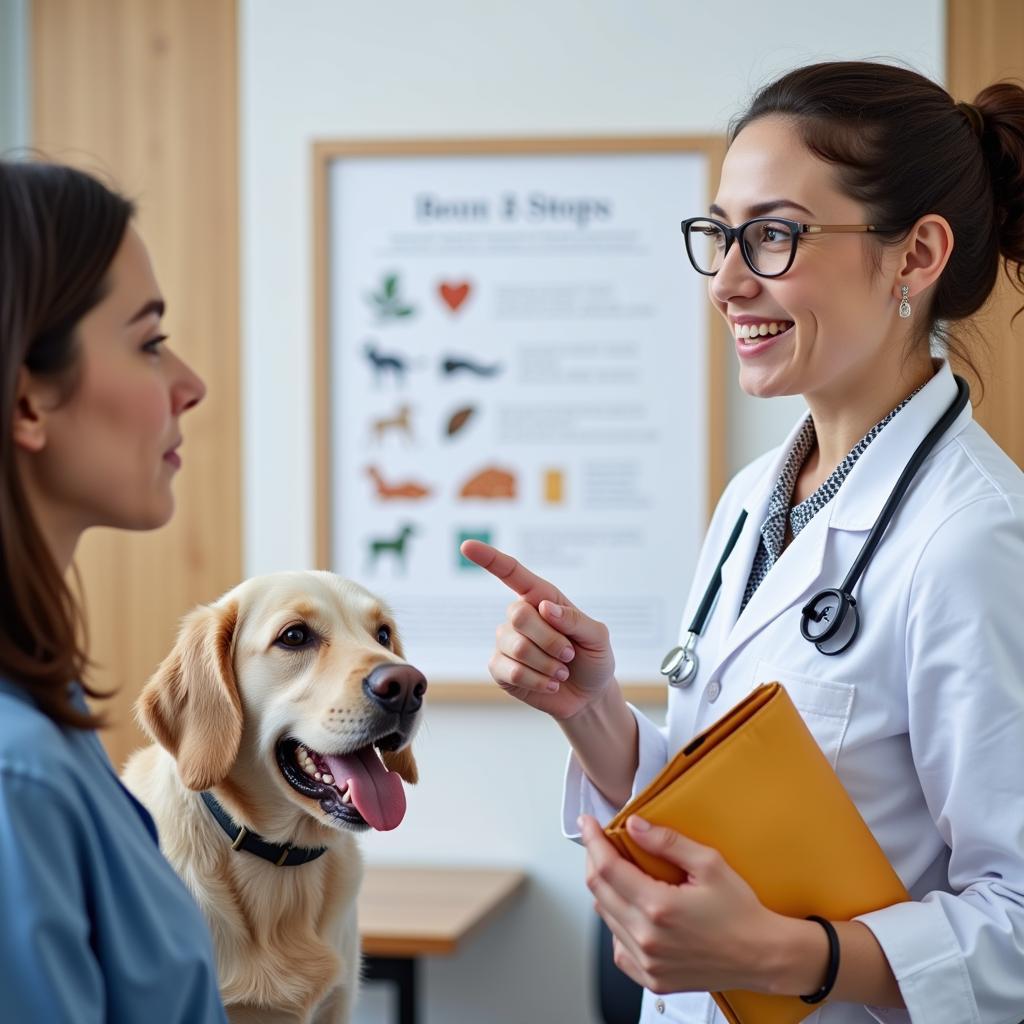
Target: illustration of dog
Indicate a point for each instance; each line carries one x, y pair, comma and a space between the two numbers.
395, 545
282, 717
389, 492
400, 423
385, 364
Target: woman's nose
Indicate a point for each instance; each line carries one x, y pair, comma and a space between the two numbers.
188, 389
734, 278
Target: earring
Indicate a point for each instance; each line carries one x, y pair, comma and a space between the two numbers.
904, 302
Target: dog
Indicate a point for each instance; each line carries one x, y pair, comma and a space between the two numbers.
401, 422
289, 703
385, 362
394, 545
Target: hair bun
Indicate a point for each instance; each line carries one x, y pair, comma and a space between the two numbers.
1002, 108
975, 117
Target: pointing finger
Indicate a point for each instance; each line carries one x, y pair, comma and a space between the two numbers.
512, 573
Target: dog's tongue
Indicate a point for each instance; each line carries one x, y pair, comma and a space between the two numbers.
377, 793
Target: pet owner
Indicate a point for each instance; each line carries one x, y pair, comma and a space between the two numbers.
861, 214
97, 926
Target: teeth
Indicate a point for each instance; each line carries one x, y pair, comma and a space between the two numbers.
311, 768
746, 331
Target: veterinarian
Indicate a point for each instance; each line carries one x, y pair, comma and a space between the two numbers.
97, 926
861, 215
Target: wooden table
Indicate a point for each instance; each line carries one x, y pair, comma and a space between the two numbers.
409, 912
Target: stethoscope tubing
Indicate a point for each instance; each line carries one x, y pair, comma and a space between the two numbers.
681, 663
704, 609
923, 450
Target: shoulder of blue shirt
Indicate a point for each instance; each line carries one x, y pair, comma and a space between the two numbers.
32, 745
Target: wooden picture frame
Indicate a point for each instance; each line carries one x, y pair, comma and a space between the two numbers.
326, 156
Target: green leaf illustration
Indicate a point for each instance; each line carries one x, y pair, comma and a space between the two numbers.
388, 301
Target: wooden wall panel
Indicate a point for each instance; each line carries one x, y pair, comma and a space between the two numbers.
985, 41
145, 91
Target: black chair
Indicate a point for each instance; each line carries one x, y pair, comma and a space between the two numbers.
618, 995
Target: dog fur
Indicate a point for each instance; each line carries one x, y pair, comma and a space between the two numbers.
286, 938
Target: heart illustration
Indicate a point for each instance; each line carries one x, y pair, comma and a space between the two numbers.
454, 295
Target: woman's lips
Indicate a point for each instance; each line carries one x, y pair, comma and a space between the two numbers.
173, 458
754, 336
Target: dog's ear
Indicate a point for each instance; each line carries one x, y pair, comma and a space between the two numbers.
403, 762
191, 705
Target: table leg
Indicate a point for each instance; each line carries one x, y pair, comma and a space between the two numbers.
402, 972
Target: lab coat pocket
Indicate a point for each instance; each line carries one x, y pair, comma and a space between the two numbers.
824, 704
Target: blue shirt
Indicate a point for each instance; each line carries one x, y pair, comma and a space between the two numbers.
94, 923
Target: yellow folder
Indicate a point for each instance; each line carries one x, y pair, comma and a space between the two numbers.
756, 786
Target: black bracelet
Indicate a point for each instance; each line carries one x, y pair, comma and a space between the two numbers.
833, 960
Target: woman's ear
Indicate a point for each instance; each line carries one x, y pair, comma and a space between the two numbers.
29, 427
926, 252
191, 705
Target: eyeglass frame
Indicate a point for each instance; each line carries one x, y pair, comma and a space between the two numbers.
798, 228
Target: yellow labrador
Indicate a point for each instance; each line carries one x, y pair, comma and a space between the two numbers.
282, 720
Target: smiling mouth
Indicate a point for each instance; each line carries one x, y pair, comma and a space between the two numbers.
355, 788
753, 334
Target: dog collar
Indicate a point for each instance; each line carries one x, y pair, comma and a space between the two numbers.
284, 856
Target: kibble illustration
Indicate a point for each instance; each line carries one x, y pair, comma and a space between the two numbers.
459, 419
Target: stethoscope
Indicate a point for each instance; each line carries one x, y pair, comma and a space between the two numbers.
830, 619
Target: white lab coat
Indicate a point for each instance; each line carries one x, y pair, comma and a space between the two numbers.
922, 718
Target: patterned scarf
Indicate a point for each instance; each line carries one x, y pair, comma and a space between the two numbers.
773, 530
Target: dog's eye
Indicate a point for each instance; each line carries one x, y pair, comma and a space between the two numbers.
384, 636
295, 636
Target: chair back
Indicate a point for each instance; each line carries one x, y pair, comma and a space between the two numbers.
618, 995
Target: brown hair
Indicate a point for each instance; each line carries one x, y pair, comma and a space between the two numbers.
904, 148
59, 232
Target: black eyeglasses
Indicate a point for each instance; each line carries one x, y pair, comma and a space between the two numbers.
768, 244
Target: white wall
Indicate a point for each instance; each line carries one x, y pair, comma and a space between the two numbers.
14, 76
334, 68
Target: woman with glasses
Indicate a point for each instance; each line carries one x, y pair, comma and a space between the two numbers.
862, 214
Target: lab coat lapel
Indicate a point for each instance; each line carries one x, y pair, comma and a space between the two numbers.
867, 488
736, 570
791, 579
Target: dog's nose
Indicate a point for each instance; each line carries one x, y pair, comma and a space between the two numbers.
396, 688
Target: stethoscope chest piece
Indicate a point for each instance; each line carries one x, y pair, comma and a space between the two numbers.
830, 621
680, 664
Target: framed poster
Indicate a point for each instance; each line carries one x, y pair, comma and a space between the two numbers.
512, 346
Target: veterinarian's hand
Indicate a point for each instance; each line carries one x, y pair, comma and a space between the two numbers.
710, 933
548, 653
